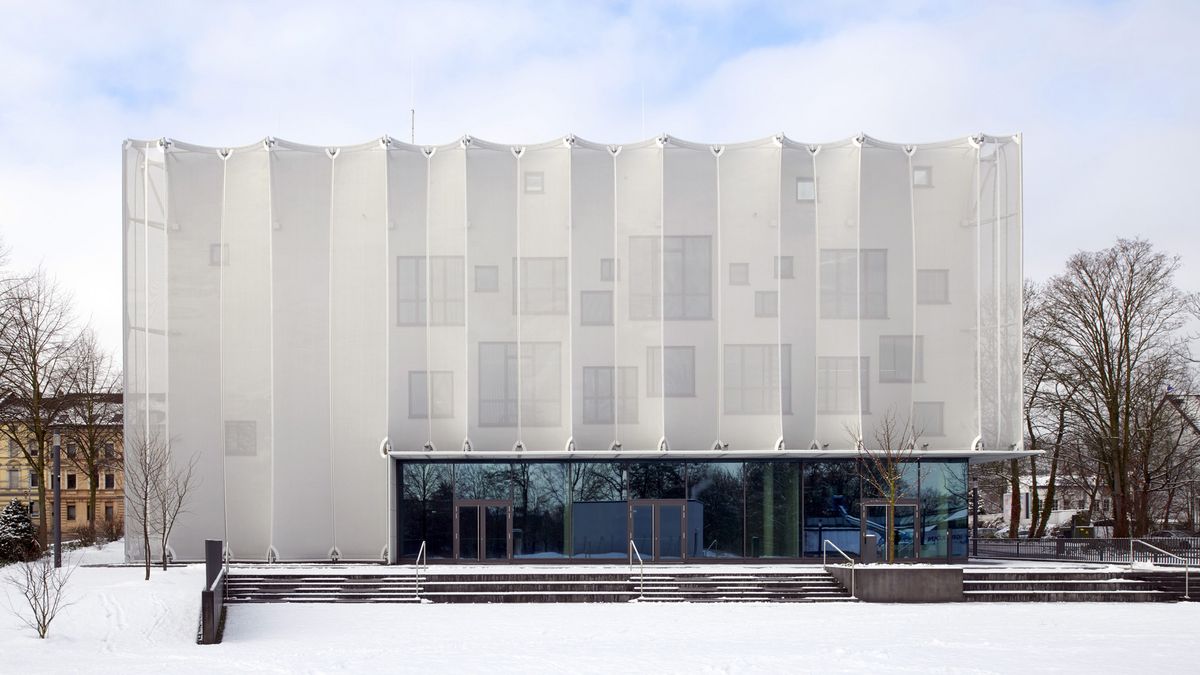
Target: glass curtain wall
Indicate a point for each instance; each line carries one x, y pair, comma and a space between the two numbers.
734, 510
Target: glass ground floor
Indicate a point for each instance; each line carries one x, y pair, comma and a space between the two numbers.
673, 511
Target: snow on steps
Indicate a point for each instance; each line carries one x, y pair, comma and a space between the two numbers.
445, 586
1058, 586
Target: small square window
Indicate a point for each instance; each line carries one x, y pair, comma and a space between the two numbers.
739, 274
922, 176
596, 308
766, 303
783, 267
607, 269
487, 279
933, 287
806, 190
535, 182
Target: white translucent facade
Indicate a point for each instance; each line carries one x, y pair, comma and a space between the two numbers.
294, 313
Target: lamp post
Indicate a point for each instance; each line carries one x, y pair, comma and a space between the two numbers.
55, 485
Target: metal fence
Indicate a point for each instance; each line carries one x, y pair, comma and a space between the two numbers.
1092, 550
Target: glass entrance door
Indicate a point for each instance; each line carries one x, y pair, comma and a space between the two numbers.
483, 529
657, 527
904, 527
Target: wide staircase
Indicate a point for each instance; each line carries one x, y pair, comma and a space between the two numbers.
1057, 585
611, 585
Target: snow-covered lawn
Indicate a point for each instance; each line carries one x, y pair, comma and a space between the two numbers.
120, 623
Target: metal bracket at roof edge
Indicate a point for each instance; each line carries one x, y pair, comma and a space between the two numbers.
977, 444
518, 447
569, 140
614, 150
615, 446
663, 446
716, 150
815, 445
385, 446
570, 446
430, 447
332, 152
466, 446
719, 445
976, 140
860, 139
517, 150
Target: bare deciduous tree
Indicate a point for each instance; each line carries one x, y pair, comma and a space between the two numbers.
37, 339
1115, 322
169, 492
43, 587
91, 416
886, 465
148, 458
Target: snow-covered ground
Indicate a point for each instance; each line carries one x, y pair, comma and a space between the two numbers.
120, 623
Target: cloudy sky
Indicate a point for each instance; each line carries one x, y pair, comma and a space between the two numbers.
1106, 93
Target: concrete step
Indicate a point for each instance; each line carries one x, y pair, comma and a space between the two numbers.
1066, 596
1104, 586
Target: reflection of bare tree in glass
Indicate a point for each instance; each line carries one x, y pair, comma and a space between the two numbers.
426, 488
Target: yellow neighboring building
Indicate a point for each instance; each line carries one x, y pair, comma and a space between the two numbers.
19, 480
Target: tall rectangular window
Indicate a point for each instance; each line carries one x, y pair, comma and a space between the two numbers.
607, 269
933, 287
674, 270
110, 481
498, 381
755, 382
410, 291
14, 479
849, 279
675, 374
541, 384
901, 358
599, 402
841, 381
70, 481
543, 285
687, 277
108, 511
873, 283
14, 448
739, 274
439, 383
447, 297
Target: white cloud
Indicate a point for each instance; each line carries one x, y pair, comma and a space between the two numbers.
1105, 93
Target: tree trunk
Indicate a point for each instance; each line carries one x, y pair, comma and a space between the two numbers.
1039, 529
1014, 507
146, 536
1035, 503
92, 480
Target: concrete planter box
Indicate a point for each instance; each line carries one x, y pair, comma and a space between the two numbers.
902, 583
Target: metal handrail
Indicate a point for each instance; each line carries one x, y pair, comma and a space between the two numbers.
633, 550
421, 555
1186, 567
825, 549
